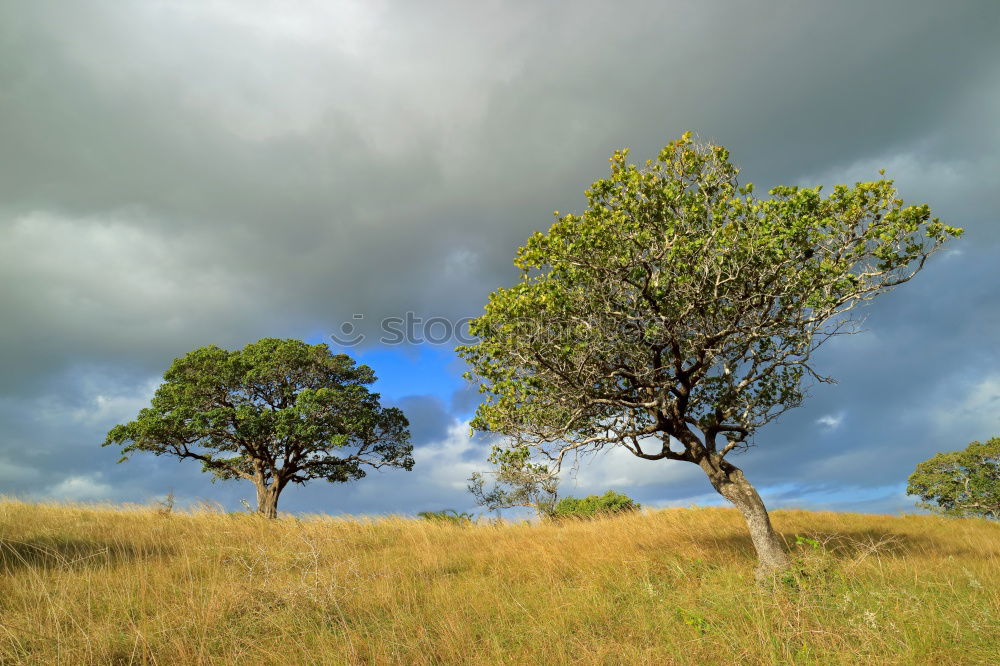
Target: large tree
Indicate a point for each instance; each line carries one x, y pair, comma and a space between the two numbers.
678, 314
275, 412
961, 483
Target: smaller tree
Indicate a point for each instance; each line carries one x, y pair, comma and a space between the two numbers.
518, 482
447, 516
961, 483
275, 412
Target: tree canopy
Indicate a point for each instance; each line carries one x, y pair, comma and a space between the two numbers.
275, 412
961, 483
678, 314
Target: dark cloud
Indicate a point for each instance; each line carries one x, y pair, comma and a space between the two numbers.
429, 418
184, 173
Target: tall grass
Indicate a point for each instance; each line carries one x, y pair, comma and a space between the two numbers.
93, 585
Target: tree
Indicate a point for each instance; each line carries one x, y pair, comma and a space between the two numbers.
447, 516
517, 483
275, 412
678, 314
961, 483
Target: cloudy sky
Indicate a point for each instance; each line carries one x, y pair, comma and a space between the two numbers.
181, 173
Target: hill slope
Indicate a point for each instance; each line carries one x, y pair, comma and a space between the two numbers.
91, 585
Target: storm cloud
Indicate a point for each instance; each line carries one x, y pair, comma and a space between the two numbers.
183, 173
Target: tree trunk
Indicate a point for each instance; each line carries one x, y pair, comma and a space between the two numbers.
729, 481
267, 500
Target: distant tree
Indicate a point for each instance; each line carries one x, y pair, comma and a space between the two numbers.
961, 483
447, 516
678, 314
517, 482
592, 506
275, 412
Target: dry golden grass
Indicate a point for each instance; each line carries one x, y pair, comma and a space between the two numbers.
92, 585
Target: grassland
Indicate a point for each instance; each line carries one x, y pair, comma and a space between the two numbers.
93, 585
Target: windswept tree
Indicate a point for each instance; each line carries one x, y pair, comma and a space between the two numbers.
961, 483
678, 314
275, 412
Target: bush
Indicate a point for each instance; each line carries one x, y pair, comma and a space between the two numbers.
594, 505
447, 516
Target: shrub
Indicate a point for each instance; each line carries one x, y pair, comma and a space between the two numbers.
594, 505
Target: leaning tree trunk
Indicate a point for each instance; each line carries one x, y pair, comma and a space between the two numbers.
729, 481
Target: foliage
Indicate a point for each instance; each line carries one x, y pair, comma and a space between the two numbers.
680, 310
275, 412
518, 482
447, 516
694, 620
678, 300
594, 505
962, 483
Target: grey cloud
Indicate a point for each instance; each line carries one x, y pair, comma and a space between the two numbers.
184, 173
429, 417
